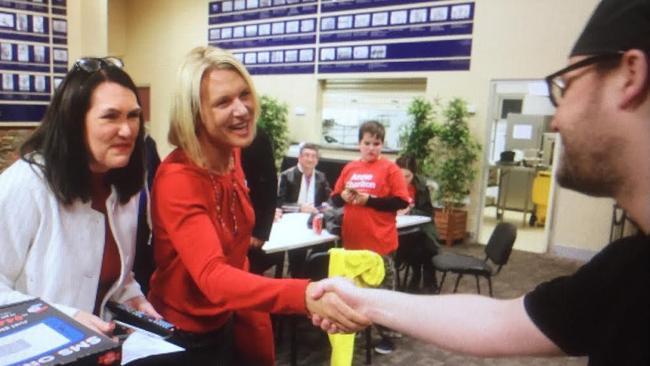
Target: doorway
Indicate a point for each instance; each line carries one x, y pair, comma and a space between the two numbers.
518, 163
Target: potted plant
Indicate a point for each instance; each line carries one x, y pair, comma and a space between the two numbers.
415, 136
453, 157
273, 119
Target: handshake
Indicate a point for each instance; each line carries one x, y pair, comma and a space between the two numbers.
335, 305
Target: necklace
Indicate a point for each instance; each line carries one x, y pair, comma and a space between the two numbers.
218, 201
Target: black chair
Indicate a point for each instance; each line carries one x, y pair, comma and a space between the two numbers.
316, 268
497, 251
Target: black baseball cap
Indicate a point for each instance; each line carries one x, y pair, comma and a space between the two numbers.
616, 25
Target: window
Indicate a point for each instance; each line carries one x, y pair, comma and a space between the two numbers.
350, 102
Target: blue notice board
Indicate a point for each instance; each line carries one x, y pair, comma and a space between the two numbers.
33, 56
345, 35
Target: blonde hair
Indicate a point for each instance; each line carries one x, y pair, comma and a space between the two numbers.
185, 114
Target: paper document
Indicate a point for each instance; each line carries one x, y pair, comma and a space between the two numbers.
141, 344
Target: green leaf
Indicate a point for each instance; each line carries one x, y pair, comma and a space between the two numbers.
274, 116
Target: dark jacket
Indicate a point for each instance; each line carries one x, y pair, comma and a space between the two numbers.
424, 207
290, 187
261, 178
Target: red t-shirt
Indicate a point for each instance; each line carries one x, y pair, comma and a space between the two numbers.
365, 227
202, 229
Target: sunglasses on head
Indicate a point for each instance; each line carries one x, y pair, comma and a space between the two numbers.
92, 64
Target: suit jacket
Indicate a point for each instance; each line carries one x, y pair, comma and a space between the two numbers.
289, 190
262, 180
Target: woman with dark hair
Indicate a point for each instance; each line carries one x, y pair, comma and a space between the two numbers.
69, 205
418, 248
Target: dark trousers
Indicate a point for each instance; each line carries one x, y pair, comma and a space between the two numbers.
415, 250
260, 262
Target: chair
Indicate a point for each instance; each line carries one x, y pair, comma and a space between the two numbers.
497, 251
316, 268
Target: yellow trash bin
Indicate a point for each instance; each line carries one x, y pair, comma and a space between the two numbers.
541, 188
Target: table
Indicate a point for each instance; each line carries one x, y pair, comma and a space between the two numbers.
405, 221
291, 232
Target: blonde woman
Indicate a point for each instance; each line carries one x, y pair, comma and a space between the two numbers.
203, 221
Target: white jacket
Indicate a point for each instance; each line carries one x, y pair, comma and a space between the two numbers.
55, 252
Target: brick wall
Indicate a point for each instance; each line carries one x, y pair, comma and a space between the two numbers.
10, 140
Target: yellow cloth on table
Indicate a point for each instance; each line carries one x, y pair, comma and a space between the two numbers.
366, 269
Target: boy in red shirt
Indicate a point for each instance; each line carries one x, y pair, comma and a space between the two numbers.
372, 190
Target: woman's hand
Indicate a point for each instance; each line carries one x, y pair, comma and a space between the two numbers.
140, 303
330, 309
95, 323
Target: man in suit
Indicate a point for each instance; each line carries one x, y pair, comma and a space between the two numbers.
308, 189
303, 184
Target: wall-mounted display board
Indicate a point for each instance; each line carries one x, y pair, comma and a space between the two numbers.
338, 36
33, 56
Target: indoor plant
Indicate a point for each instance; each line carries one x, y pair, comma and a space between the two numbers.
415, 136
454, 152
273, 119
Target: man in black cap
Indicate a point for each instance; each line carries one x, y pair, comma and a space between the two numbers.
601, 311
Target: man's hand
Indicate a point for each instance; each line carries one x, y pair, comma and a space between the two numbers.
349, 194
308, 207
94, 322
361, 199
346, 291
330, 309
256, 242
405, 211
278, 215
140, 303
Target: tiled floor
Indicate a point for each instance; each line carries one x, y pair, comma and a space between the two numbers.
516, 278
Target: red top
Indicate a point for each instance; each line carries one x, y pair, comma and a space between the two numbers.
202, 229
365, 227
111, 266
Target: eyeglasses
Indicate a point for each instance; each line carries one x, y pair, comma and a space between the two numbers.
557, 85
92, 64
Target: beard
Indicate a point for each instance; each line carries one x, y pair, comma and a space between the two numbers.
590, 172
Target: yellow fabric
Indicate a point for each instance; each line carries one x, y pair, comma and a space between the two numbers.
366, 269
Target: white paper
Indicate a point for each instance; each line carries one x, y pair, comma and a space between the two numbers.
291, 56
327, 23
522, 132
439, 13
418, 16
361, 20
264, 29
306, 55
140, 345
263, 57
344, 22
307, 25
460, 11
398, 17
293, 26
